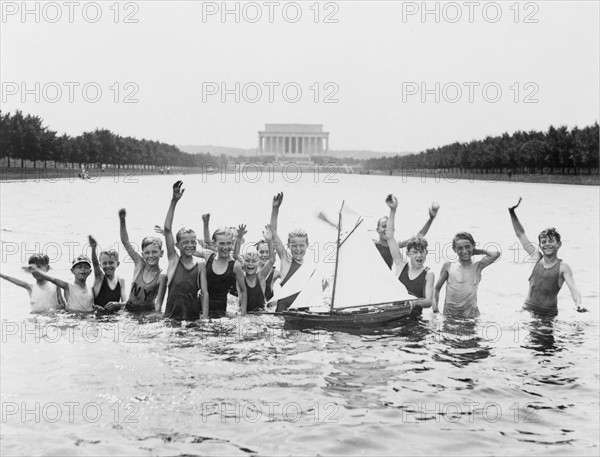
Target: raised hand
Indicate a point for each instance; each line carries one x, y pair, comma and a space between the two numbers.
159, 229
122, 213
241, 231
177, 190
392, 201
433, 209
93, 242
512, 208
268, 233
277, 200
206, 218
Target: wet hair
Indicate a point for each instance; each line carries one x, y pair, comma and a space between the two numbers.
381, 219
418, 244
257, 245
300, 233
463, 236
550, 232
222, 231
184, 231
40, 260
110, 253
151, 240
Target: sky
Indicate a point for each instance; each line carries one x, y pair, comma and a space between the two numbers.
383, 76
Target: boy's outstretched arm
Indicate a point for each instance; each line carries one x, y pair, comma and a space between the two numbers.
125, 237
98, 273
529, 247
42, 274
433, 210
392, 202
438, 286
277, 200
568, 277
169, 240
17, 282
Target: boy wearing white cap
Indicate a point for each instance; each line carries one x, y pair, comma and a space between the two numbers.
80, 296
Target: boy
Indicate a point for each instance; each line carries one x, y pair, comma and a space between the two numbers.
382, 242
185, 275
413, 274
256, 274
292, 259
149, 283
80, 297
549, 272
44, 296
463, 277
109, 289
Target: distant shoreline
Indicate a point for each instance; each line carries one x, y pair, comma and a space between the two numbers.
51, 174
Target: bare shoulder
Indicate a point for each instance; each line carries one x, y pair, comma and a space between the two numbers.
430, 275
565, 268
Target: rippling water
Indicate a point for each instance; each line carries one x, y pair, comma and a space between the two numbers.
506, 383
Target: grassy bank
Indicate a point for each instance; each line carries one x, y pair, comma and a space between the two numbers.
427, 175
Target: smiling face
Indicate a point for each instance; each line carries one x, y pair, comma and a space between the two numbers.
251, 263
187, 244
381, 227
549, 245
464, 249
109, 264
224, 244
263, 252
81, 271
297, 246
152, 254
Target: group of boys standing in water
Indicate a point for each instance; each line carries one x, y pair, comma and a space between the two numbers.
199, 288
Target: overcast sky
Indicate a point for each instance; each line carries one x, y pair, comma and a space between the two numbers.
360, 69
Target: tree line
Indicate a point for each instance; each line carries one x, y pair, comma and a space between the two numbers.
559, 150
26, 138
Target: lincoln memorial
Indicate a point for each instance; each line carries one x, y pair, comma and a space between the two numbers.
295, 142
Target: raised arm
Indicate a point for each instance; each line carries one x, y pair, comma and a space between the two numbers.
568, 277
529, 247
169, 240
98, 273
266, 269
237, 246
438, 286
433, 210
489, 257
125, 238
206, 230
17, 282
392, 202
42, 274
281, 252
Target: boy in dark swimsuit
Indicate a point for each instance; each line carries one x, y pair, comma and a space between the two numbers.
549, 272
256, 275
413, 274
186, 277
109, 289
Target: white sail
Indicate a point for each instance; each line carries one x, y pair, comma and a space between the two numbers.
296, 283
363, 277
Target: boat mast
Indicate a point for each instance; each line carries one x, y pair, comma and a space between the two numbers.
337, 254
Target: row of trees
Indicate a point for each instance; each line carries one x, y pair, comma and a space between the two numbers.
26, 138
557, 150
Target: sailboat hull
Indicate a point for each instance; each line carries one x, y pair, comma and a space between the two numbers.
354, 318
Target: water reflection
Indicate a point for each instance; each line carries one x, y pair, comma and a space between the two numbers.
460, 341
